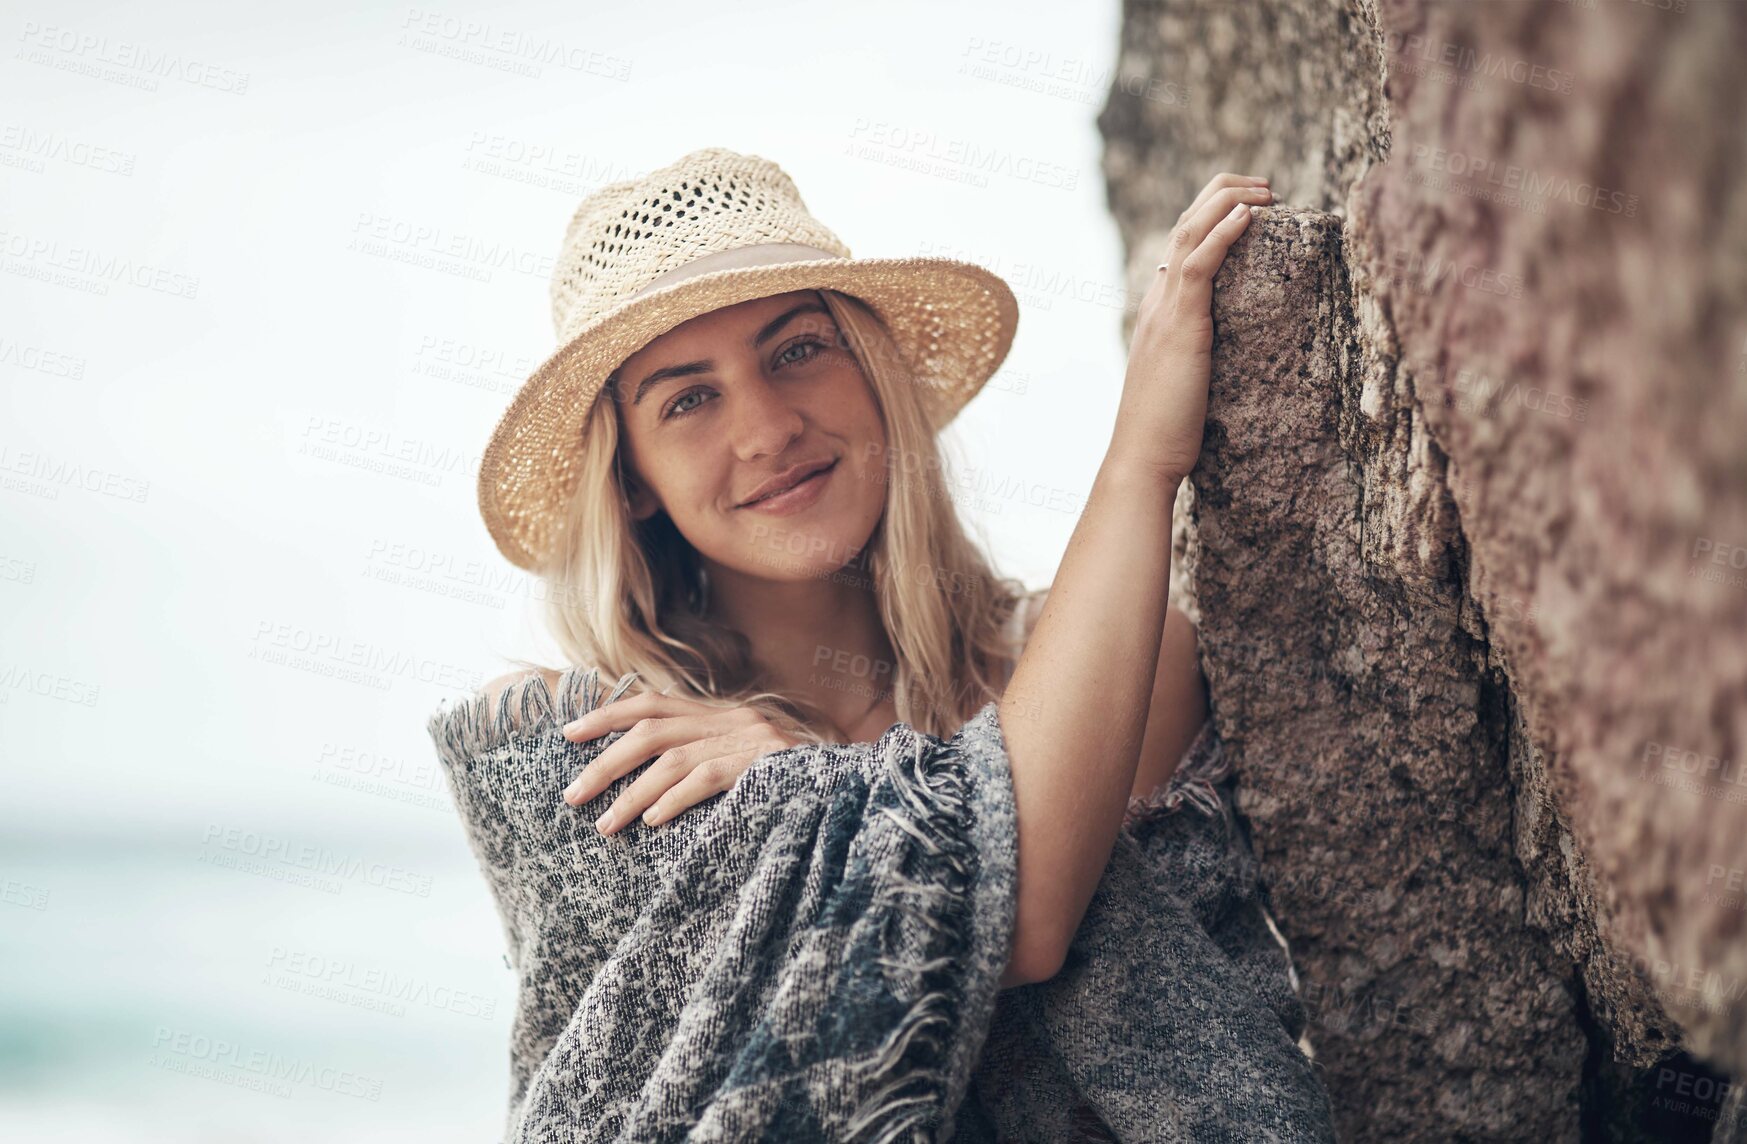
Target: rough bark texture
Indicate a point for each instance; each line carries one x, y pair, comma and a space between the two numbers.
1467, 538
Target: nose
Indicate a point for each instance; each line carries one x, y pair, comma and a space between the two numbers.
762, 419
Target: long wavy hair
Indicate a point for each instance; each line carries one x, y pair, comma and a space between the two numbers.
625, 595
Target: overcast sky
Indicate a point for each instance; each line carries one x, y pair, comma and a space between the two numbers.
228, 292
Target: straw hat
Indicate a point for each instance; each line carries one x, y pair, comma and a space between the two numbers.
712, 229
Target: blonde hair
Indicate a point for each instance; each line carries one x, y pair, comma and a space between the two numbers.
624, 595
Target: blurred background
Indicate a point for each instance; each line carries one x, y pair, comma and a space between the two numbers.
270, 275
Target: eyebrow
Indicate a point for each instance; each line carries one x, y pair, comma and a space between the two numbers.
690, 368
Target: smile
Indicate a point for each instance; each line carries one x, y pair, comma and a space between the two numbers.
797, 496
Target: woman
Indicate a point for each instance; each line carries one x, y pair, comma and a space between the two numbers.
755, 522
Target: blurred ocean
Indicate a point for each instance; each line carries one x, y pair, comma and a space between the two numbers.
176, 987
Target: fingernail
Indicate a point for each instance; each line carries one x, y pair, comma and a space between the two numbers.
1238, 210
604, 822
572, 726
649, 816
571, 791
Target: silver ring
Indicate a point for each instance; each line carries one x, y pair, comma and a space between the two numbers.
1164, 265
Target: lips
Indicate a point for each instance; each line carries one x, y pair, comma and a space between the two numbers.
788, 480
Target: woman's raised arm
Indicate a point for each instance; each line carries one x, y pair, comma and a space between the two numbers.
1075, 710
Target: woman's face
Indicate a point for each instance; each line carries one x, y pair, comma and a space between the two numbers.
717, 406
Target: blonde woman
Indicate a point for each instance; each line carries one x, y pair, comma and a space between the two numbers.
730, 476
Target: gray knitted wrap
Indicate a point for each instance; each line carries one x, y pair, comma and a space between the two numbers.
815, 953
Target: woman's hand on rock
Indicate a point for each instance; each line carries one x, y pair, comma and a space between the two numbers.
698, 751
1164, 395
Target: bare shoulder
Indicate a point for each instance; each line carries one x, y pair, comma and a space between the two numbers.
495, 689
489, 719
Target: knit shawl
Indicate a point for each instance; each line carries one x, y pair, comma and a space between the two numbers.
815, 953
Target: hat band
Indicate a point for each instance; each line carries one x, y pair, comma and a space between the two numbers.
755, 254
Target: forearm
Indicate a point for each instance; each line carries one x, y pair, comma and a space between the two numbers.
1074, 714
1178, 709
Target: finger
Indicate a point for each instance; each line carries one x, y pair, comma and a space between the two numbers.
643, 740
624, 711
706, 780
669, 767
1220, 182
1195, 275
1189, 235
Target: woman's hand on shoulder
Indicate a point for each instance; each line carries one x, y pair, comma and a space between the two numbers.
1164, 394
697, 750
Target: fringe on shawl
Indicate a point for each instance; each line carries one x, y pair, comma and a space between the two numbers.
476, 724
1203, 767
914, 1064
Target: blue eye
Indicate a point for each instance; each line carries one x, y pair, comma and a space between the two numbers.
668, 414
802, 344
781, 361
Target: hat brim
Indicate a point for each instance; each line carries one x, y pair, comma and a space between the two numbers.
954, 322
